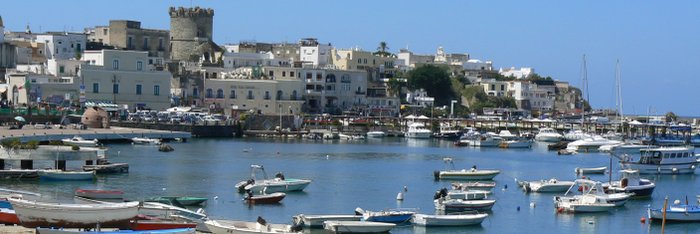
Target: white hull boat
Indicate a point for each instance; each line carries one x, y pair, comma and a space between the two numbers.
317, 220
591, 144
485, 141
462, 205
448, 220
145, 141
515, 144
418, 130
80, 142
357, 227
66, 175
590, 170
465, 174
664, 160
242, 227
376, 134
42, 214
548, 135
582, 204
546, 186
274, 185
624, 148
677, 213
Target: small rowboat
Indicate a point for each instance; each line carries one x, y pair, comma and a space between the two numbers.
66, 175
357, 226
185, 201
448, 220
265, 198
164, 231
590, 170
99, 194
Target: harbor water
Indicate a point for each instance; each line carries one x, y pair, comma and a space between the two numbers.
369, 174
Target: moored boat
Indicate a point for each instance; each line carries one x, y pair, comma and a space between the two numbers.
590, 170
376, 134
448, 220
8, 216
181, 200
143, 225
66, 175
99, 194
43, 214
80, 142
386, 216
676, 212
664, 160
277, 184
464, 174
463, 205
515, 144
243, 227
145, 141
315, 221
264, 198
357, 227
548, 135
474, 185
162, 231
631, 183
546, 186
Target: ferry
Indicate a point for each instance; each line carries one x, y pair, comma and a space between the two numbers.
664, 160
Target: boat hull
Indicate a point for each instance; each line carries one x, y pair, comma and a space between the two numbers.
677, 214
8, 216
274, 186
559, 186
464, 205
468, 175
165, 231
160, 225
357, 227
39, 214
593, 170
266, 199
681, 168
99, 194
65, 175
448, 220
111, 168
240, 227
318, 220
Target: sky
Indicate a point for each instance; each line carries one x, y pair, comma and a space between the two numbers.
656, 42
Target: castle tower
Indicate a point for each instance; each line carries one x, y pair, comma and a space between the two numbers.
191, 33
2, 31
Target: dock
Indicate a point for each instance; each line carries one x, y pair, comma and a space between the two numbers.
29, 133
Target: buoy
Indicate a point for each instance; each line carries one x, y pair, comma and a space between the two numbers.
560, 209
278, 152
399, 196
643, 220
405, 189
327, 156
163, 189
216, 197
518, 208
532, 204
590, 222
675, 170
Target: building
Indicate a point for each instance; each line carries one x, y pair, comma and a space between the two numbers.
521, 73
128, 35
29, 52
62, 45
245, 59
478, 65
191, 35
450, 59
334, 90
314, 53
420, 98
493, 87
531, 96
32, 88
124, 77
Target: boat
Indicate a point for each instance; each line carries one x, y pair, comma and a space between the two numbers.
99, 194
444, 204
675, 212
418, 130
145, 141
474, 185
277, 184
590, 144
43, 214
448, 131
486, 140
376, 134
386, 216
104, 166
464, 174
80, 142
357, 227
624, 148
8, 216
180, 200
157, 224
558, 146
264, 198
664, 160
243, 227
548, 135
66, 175
466, 194
546, 186
595, 188
590, 170
40, 230
577, 134
631, 183
315, 221
517, 143
582, 204
448, 220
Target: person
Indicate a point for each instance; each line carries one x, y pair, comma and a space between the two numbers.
474, 168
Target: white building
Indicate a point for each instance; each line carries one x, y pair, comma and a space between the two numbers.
521, 73
62, 45
493, 87
236, 59
420, 98
475, 64
531, 96
334, 90
312, 52
29, 88
410, 59
124, 77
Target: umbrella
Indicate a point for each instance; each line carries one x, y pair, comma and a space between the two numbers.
20, 119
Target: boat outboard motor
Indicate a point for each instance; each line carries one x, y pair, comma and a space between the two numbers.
359, 211
279, 175
437, 175
443, 192
437, 195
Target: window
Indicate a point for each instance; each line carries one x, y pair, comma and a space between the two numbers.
139, 66
160, 43
219, 93
61, 69
115, 88
271, 74
138, 89
232, 95
291, 74
250, 94
294, 95
365, 61
130, 42
195, 92
345, 78
145, 43
104, 31
95, 88
156, 90
115, 64
267, 95
309, 75
210, 93
279, 95
284, 73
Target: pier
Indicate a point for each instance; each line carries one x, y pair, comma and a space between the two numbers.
29, 133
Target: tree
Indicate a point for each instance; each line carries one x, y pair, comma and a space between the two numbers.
671, 117
394, 87
434, 80
382, 50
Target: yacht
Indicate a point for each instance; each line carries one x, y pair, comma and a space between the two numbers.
488, 139
418, 130
590, 144
664, 160
575, 135
376, 134
448, 131
548, 135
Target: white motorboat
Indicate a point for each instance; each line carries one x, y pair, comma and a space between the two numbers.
313, 221
468, 194
386, 216
591, 144
66, 175
43, 214
574, 135
463, 205
516, 144
664, 160
277, 184
464, 174
418, 130
548, 135
546, 186
507, 135
242, 227
676, 212
376, 134
582, 204
486, 140
624, 148
448, 220
631, 183
357, 227
474, 185
145, 141
590, 170
594, 189
79, 141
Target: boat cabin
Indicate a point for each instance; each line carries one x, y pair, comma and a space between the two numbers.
667, 156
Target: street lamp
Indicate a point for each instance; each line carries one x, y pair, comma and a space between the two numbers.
452, 107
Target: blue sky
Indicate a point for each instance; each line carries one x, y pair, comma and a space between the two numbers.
658, 43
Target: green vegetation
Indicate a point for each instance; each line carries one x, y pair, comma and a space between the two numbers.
382, 50
477, 99
435, 80
14, 143
671, 117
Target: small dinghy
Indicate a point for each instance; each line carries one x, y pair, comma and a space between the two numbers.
357, 226
590, 170
264, 198
99, 194
316, 221
448, 220
676, 212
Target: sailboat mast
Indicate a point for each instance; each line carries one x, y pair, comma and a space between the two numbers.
618, 77
584, 90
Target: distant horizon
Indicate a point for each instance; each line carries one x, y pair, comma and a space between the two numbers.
656, 43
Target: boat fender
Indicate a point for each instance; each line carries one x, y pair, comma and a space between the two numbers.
518, 208
643, 220
675, 170
692, 167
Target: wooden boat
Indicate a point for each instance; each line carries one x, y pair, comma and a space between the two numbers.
277, 184
464, 174
66, 175
43, 214
676, 212
145, 141
317, 220
242, 227
590, 170
264, 198
142, 225
8, 216
99, 194
79, 141
386, 216
448, 220
164, 231
185, 201
357, 227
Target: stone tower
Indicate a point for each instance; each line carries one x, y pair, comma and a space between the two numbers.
2, 31
191, 34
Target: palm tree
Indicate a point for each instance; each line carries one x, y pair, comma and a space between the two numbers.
382, 49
